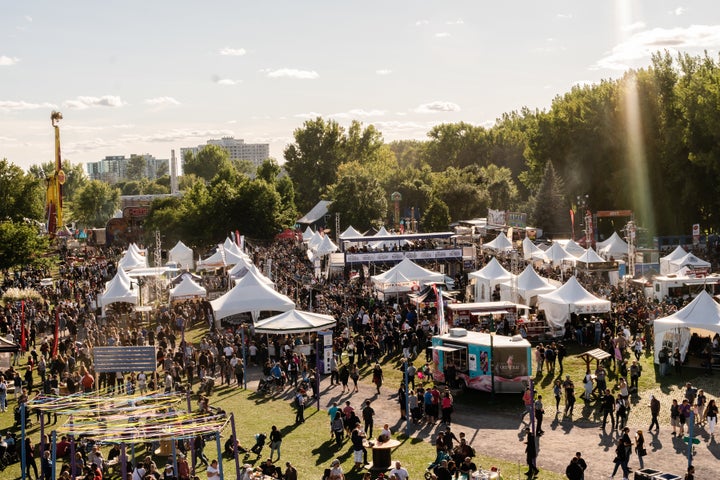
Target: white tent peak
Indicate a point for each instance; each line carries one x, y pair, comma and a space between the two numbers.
252, 295
613, 246
501, 243
295, 321
350, 232
492, 271
590, 257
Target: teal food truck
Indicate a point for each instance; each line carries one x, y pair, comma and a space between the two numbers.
481, 359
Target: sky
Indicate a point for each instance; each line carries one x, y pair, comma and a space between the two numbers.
136, 77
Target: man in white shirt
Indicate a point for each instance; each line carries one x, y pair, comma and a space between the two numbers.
399, 472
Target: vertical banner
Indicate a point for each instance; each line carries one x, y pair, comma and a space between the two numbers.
589, 229
572, 223
326, 344
696, 233
23, 335
440, 309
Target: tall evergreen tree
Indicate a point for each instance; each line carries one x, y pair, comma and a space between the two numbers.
550, 210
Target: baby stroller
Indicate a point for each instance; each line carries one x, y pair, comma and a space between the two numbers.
267, 384
259, 444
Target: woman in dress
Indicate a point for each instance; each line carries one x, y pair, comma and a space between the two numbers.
640, 447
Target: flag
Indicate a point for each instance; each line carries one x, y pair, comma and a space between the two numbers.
572, 222
440, 309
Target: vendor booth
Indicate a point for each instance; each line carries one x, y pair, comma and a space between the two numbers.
487, 279
485, 362
566, 300
405, 277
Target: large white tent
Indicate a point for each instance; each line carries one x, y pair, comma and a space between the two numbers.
295, 321
246, 266
119, 290
487, 278
529, 249
132, 259
350, 232
568, 299
589, 257
572, 247
251, 295
187, 289
501, 243
307, 234
690, 261
614, 247
676, 254
673, 331
403, 276
182, 255
326, 247
556, 255
528, 286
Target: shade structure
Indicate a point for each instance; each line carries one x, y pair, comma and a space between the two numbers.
556, 255
119, 290
326, 247
187, 289
132, 259
487, 278
572, 247
673, 331
242, 268
529, 248
307, 234
613, 247
590, 257
676, 254
295, 321
250, 295
500, 243
350, 232
403, 276
570, 298
182, 255
528, 286
689, 260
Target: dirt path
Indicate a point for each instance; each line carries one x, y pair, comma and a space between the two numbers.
501, 435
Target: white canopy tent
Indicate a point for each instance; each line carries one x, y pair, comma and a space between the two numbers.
689, 260
251, 295
246, 266
571, 247
307, 234
350, 232
380, 245
132, 260
556, 255
673, 331
676, 254
118, 290
589, 257
295, 321
614, 247
315, 241
187, 289
501, 243
528, 286
487, 278
182, 255
529, 249
326, 247
568, 299
403, 276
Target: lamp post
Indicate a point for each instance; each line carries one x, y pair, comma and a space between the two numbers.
492, 363
583, 204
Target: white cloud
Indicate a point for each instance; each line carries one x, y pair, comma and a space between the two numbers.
359, 112
459, 21
227, 81
564, 16
679, 11
442, 35
633, 27
383, 71
437, 106
308, 115
6, 61
158, 101
22, 105
420, 23
293, 73
641, 45
175, 135
232, 52
84, 102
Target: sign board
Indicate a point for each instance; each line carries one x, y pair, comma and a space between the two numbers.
614, 213
124, 359
516, 219
696, 233
381, 257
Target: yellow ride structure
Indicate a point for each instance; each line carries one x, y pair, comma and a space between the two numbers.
54, 198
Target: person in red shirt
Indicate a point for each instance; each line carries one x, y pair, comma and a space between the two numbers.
87, 382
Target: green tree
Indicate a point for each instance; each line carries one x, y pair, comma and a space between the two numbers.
502, 192
436, 217
207, 163
166, 215
21, 195
20, 244
257, 209
95, 203
408, 153
550, 210
136, 168
269, 170
463, 191
456, 145
162, 170
358, 198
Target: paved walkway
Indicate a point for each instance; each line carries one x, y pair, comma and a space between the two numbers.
501, 435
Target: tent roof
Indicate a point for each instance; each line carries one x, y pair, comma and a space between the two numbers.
407, 270
295, 321
500, 243
572, 293
187, 288
703, 313
326, 247
529, 283
176, 280
614, 246
242, 269
571, 247
179, 249
555, 254
307, 234
590, 257
132, 259
8, 346
529, 248
350, 232
492, 271
118, 290
679, 252
690, 260
318, 211
253, 295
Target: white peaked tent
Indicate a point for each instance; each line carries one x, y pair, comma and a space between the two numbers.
500, 244
350, 232
136, 249
589, 257
529, 249
487, 278
295, 321
690, 261
614, 247
233, 247
242, 268
379, 245
529, 285
556, 254
570, 298
187, 288
182, 255
315, 241
326, 247
132, 260
252, 295
118, 290
402, 276
572, 247
308, 234
676, 254
673, 331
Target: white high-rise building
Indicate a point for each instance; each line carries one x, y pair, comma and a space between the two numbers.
237, 150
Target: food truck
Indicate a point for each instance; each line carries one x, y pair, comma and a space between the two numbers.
481, 359
471, 314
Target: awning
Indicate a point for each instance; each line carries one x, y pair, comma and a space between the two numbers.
443, 348
491, 312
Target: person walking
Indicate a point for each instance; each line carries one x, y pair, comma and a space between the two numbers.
299, 407
368, 413
640, 450
275, 442
581, 462
377, 377
355, 376
654, 411
621, 411
557, 392
574, 471
530, 454
539, 412
711, 412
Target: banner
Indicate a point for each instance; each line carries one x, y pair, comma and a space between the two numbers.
23, 340
496, 217
380, 257
440, 309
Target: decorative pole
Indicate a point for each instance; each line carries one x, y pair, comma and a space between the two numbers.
219, 454
235, 445
23, 453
